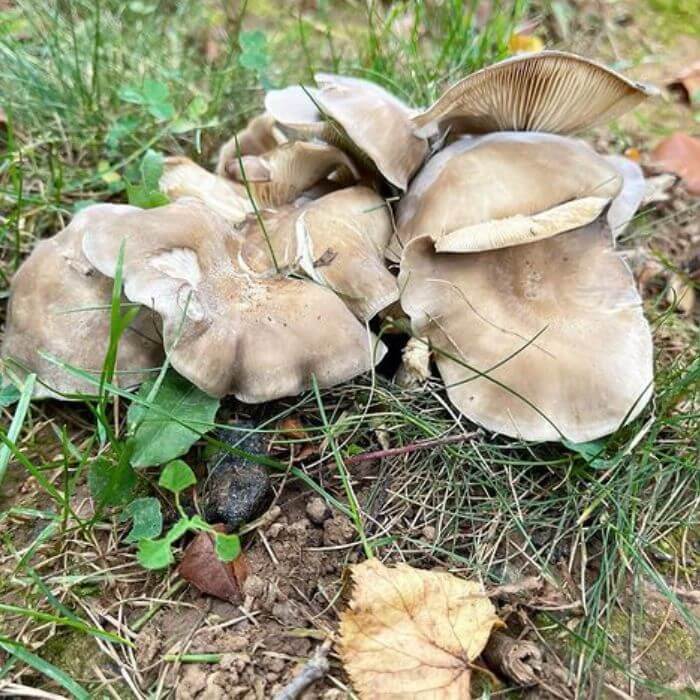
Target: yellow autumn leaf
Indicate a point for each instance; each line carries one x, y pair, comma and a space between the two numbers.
525, 43
410, 633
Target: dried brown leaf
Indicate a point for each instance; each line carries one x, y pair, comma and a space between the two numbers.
205, 571
680, 154
410, 633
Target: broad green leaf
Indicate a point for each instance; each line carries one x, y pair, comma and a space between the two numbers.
131, 93
152, 168
161, 110
155, 554
590, 451
147, 519
177, 476
228, 547
197, 107
253, 41
155, 91
179, 415
145, 197
112, 484
9, 394
121, 127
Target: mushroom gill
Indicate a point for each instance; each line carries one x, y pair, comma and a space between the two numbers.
226, 330
542, 342
60, 307
549, 91
504, 189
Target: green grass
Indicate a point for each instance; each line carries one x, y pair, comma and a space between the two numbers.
74, 85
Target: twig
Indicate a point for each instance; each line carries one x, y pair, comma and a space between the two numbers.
407, 449
313, 670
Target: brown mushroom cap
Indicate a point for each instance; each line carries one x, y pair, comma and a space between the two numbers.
556, 328
353, 114
338, 241
259, 338
549, 91
60, 305
504, 189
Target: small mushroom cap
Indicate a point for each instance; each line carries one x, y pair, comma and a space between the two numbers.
227, 331
365, 111
337, 241
280, 176
60, 305
259, 136
353, 114
625, 205
549, 91
504, 189
556, 328
182, 177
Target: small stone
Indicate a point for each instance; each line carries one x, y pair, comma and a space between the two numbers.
236, 490
254, 586
429, 533
338, 530
317, 510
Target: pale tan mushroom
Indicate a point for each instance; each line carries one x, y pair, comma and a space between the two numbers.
549, 91
60, 307
259, 136
504, 189
227, 331
182, 177
283, 174
356, 115
543, 342
337, 240
625, 205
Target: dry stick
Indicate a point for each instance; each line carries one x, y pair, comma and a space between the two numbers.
407, 449
313, 670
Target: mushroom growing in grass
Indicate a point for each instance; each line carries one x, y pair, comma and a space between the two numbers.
59, 312
259, 337
507, 260
360, 117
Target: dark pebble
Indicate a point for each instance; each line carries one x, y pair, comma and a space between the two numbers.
236, 490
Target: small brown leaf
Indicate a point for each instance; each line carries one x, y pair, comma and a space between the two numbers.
680, 154
410, 633
205, 571
291, 427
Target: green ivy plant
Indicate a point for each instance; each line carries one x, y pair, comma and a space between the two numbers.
155, 552
143, 190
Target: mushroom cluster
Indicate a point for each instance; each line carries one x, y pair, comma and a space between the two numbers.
262, 276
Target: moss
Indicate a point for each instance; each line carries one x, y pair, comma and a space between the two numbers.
73, 652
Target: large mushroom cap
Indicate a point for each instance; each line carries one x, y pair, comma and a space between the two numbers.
259, 338
548, 91
337, 240
542, 342
356, 115
60, 306
504, 189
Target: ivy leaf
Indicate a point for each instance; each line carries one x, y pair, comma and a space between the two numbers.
177, 476
228, 547
179, 415
145, 193
146, 516
155, 554
253, 50
111, 484
144, 197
